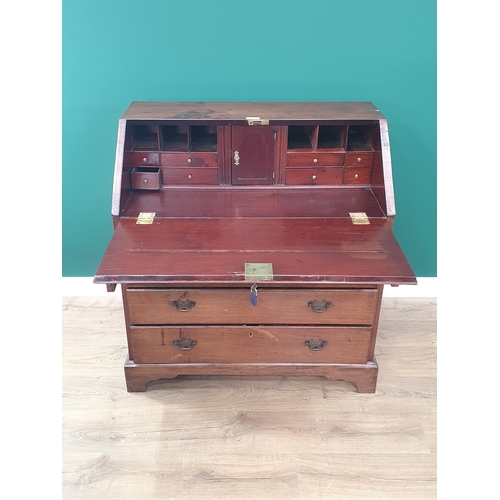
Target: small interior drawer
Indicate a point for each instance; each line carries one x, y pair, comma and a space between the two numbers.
315, 159
174, 176
138, 158
358, 159
145, 178
326, 176
189, 160
356, 176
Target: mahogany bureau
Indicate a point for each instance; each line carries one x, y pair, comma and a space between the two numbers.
252, 239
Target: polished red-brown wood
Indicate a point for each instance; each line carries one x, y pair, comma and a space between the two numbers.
239, 112
244, 344
236, 183
318, 176
301, 250
319, 202
252, 160
155, 306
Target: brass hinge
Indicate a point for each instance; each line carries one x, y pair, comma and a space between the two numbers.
359, 218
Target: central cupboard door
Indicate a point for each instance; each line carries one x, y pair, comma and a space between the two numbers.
252, 155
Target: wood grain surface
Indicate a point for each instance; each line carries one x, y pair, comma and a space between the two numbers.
209, 437
240, 111
320, 250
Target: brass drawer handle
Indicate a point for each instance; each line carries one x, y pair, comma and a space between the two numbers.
183, 305
315, 345
184, 344
319, 306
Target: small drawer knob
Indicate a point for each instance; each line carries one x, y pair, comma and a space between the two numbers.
144, 160
189, 160
315, 160
145, 181
359, 160
190, 176
314, 177
356, 176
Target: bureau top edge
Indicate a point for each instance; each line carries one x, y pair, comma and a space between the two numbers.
241, 111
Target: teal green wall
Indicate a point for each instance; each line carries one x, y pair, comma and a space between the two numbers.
118, 51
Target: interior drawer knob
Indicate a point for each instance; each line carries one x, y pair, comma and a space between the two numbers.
183, 305
184, 344
315, 160
315, 345
314, 177
359, 160
189, 160
319, 306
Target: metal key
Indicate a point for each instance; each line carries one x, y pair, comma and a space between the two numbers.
253, 295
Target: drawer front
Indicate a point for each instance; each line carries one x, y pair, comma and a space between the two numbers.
232, 306
254, 344
189, 160
354, 176
190, 176
145, 178
331, 176
139, 158
358, 159
314, 159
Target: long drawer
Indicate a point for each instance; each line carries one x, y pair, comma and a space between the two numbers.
256, 344
155, 306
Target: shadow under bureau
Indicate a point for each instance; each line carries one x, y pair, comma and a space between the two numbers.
252, 239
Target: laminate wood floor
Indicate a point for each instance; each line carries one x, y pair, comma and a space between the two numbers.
248, 437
